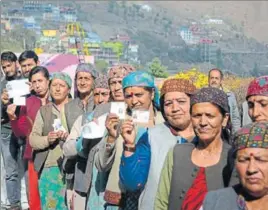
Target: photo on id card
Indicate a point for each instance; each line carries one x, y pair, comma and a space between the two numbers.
119, 108
140, 116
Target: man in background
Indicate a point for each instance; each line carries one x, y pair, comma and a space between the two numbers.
215, 79
10, 145
27, 60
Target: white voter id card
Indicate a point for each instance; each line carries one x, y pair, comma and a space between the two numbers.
119, 108
58, 126
19, 101
140, 116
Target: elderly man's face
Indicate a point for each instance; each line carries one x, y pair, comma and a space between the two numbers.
84, 82
101, 96
116, 88
214, 79
252, 167
258, 108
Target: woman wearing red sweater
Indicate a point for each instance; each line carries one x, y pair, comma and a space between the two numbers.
22, 125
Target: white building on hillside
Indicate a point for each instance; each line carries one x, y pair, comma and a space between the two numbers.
146, 7
188, 36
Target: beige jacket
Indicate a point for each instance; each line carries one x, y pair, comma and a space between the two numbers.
108, 158
69, 147
40, 142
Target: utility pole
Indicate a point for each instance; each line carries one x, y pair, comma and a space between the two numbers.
127, 52
208, 45
244, 30
24, 44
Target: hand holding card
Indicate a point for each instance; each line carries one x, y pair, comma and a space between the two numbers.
119, 108
58, 126
17, 88
11, 109
128, 132
111, 124
140, 116
95, 128
52, 137
19, 101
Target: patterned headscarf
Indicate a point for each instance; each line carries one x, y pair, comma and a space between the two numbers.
211, 95
178, 85
254, 135
142, 79
101, 82
120, 71
258, 86
63, 76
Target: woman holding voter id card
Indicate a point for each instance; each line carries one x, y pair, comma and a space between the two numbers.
141, 167
142, 99
105, 156
47, 136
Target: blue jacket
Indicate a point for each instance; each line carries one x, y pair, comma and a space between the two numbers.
134, 169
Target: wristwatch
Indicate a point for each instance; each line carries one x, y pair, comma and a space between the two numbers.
129, 149
109, 145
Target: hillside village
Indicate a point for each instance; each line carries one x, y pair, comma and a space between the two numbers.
113, 32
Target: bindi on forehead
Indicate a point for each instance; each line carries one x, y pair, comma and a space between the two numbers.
259, 152
257, 98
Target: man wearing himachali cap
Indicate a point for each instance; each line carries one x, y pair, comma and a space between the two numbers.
84, 83
78, 148
101, 90
82, 103
72, 147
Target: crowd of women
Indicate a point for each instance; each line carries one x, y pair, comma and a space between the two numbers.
184, 157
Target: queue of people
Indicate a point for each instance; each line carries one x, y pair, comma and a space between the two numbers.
179, 147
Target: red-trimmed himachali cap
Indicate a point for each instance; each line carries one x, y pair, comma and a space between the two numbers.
120, 71
258, 86
254, 135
